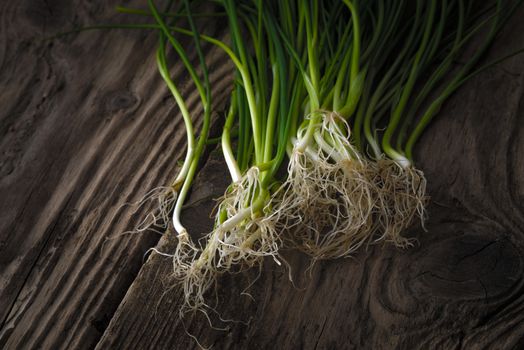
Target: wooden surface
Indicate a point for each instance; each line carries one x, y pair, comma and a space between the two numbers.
86, 124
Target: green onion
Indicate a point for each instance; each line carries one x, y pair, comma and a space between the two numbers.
338, 92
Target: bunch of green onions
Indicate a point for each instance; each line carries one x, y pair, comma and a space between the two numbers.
336, 92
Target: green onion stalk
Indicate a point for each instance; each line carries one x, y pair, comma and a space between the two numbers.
326, 202
243, 235
187, 251
376, 73
171, 198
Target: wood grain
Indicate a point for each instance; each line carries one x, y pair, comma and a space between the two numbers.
461, 287
86, 125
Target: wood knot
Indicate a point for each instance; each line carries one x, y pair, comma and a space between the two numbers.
468, 266
120, 100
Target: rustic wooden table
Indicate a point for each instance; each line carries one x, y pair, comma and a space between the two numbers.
87, 124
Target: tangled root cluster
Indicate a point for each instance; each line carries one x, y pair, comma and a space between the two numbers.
334, 200
327, 201
255, 236
229, 247
325, 207
401, 198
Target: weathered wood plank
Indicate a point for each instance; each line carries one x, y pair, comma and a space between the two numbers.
462, 286
86, 125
